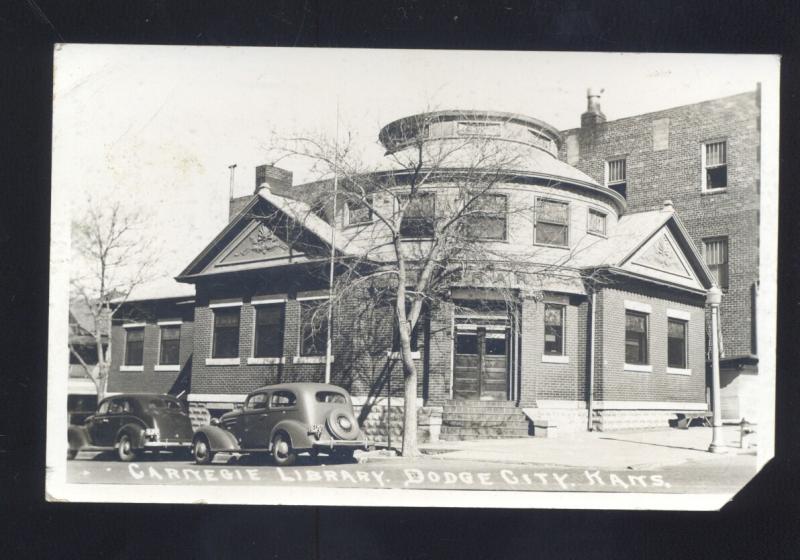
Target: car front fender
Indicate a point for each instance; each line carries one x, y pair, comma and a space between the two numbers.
297, 432
77, 437
219, 439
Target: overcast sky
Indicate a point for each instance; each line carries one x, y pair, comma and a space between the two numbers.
159, 126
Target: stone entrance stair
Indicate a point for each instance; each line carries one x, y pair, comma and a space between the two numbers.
483, 420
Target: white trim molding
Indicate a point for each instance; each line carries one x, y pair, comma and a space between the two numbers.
679, 314
645, 405
415, 355
170, 322
554, 359
679, 371
312, 297
310, 359
382, 401
134, 325
233, 302
558, 404
222, 361
267, 300
216, 397
265, 361
167, 367
638, 306
131, 368
643, 368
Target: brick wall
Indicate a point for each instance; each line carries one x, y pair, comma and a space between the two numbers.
668, 166
149, 380
613, 382
554, 381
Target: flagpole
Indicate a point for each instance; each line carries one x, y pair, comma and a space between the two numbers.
328, 349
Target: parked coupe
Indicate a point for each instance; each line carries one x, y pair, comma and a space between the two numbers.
133, 424
284, 420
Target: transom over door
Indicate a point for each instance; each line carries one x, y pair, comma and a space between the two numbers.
480, 364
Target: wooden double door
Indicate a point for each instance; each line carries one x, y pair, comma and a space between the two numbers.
480, 364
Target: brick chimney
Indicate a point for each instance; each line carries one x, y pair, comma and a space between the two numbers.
593, 114
278, 179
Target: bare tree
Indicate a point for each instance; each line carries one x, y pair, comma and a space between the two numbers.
436, 217
112, 255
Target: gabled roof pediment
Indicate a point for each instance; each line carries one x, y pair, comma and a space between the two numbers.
662, 257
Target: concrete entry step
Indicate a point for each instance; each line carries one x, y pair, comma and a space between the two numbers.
465, 420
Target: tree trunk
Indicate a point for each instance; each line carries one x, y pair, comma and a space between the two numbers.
410, 405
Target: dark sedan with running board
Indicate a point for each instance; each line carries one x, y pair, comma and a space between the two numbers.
132, 424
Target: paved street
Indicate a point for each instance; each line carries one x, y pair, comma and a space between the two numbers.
666, 461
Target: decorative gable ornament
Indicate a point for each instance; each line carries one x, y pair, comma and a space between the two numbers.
662, 255
257, 244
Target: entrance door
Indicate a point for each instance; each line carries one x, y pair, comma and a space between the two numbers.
480, 365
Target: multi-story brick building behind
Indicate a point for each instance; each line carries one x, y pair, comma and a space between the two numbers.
705, 158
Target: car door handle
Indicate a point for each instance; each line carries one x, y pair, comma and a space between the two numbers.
104, 420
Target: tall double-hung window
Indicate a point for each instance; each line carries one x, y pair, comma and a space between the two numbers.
715, 251
636, 340
485, 217
617, 176
419, 217
715, 165
269, 330
134, 346
226, 333
551, 225
313, 327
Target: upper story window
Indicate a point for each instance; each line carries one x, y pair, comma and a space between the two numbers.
226, 333
478, 128
543, 141
356, 212
134, 346
715, 251
486, 217
313, 327
419, 217
169, 352
617, 176
269, 331
551, 225
715, 165
597, 222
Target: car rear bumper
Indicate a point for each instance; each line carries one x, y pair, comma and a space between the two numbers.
341, 444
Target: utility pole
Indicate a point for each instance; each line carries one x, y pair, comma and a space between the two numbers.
713, 299
328, 348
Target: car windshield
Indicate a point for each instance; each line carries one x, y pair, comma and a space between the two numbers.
331, 397
157, 404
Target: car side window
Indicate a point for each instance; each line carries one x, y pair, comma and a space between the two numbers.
282, 399
256, 401
103, 408
115, 407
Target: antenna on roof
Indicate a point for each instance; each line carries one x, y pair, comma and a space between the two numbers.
230, 190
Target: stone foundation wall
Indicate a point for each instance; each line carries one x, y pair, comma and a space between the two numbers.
381, 421
614, 420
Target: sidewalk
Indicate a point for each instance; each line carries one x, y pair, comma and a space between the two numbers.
605, 450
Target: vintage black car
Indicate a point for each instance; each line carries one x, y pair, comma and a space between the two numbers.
284, 420
132, 424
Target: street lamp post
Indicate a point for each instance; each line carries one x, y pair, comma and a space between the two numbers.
713, 299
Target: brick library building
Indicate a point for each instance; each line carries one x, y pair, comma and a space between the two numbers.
661, 207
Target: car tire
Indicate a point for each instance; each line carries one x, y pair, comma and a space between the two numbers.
71, 454
125, 449
201, 451
282, 452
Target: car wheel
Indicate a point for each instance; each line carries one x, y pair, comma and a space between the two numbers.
282, 452
202, 451
71, 454
125, 449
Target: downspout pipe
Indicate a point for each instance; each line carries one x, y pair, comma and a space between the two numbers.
590, 399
